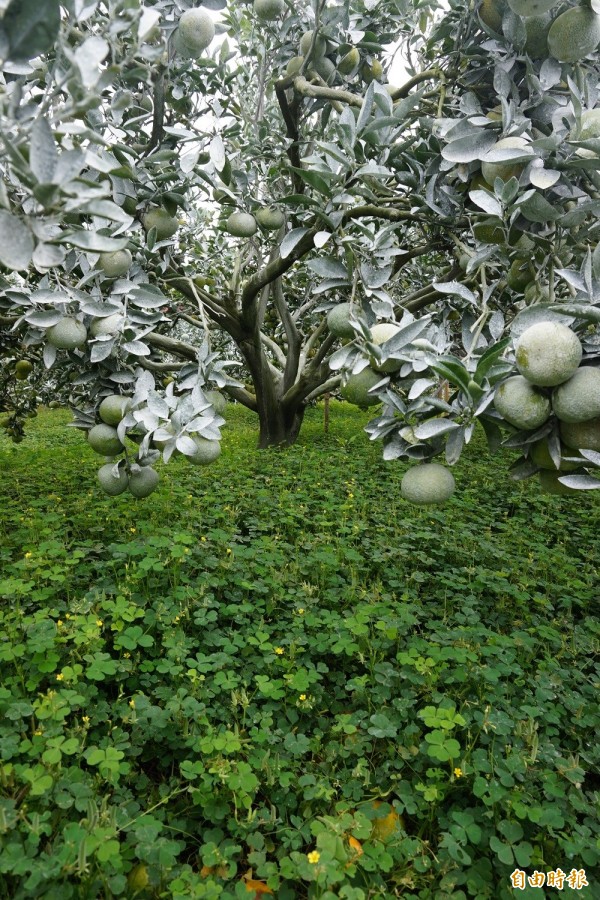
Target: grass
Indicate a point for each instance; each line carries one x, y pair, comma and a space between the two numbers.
275, 676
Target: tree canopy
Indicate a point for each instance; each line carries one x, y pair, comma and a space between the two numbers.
233, 198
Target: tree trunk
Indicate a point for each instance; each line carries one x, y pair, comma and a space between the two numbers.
279, 427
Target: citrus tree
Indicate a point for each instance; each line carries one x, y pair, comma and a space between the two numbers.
188, 188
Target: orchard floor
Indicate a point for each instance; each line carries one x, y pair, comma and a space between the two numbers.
276, 677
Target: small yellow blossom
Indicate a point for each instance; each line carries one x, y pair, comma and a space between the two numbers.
133, 530
59, 623
176, 619
99, 623
28, 555
228, 550
302, 697
132, 704
313, 857
203, 539
301, 611
186, 549
67, 615
126, 655
279, 650
60, 677
86, 720
38, 733
458, 773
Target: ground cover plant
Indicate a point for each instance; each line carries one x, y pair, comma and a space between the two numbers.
274, 676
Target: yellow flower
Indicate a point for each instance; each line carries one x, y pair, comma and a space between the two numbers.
458, 773
60, 677
38, 733
86, 720
132, 704
133, 530
279, 650
67, 615
186, 549
229, 550
302, 697
99, 623
59, 623
301, 612
203, 539
28, 555
313, 857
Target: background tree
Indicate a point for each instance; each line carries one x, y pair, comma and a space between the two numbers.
169, 171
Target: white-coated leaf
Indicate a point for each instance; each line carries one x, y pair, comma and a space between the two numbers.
419, 387
455, 287
148, 19
43, 154
186, 445
291, 240
101, 350
543, 178
91, 240
45, 256
88, 57
43, 318
16, 242
487, 202
581, 482
470, 148
137, 348
217, 153
321, 238
434, 427
49, 355
592, 455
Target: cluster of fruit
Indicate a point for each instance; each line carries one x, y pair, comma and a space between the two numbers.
326, 63
139, 478
568, 37
552, 382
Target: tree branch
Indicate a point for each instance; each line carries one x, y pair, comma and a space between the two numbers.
271, 272
323, 388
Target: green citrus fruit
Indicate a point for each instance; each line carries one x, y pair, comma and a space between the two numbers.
143, 482
551, 485
195, 32
574, 34
269, 218
241, 225
115, 264
581, 435
320, 45
548, 353
491, 13
109, 484
519, 276
488, 233
23, 369
159, 218
104, 440
267, 10
113, 408
578, 399
537, 28
381, 333
107, 325
372, 72
540, 455
428, 483
531, 7
206, 451
324, 68
349, 63
338, 321
505, 170
68, 334
356, 389
520, 404
294, 65
217, 400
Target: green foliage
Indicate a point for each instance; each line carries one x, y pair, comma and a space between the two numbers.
199, 687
